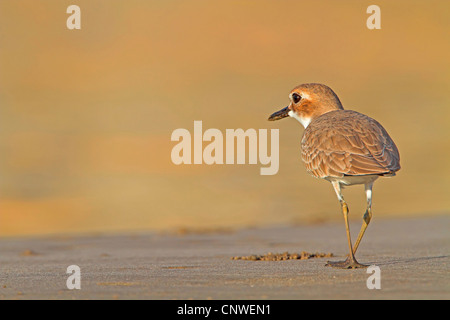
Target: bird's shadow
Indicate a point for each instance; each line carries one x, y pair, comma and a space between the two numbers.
409, 260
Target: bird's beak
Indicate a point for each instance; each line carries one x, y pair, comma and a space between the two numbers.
283, 113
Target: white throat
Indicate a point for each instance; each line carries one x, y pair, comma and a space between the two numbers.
304, 121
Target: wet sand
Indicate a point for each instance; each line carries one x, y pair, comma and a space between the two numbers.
413, 255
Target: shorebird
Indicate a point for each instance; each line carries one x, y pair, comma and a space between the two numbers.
343, 147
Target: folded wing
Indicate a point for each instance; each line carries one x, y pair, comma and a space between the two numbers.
347, 143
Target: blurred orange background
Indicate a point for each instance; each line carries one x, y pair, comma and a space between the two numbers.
86, 115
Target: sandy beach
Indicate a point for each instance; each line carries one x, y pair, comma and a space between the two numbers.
90, 117
413, 256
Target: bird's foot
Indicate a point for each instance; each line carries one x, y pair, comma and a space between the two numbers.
349, 263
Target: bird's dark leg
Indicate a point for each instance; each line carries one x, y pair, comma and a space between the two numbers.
367, 216
350, 262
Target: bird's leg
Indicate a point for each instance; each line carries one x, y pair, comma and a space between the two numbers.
350, 262
367, 215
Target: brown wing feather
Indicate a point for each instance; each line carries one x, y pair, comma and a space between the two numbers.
346, 142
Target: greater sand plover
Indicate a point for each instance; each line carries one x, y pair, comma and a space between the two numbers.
342, 146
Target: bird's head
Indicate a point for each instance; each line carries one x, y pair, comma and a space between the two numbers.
307, 102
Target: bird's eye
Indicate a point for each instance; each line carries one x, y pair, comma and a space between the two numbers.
296, 97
